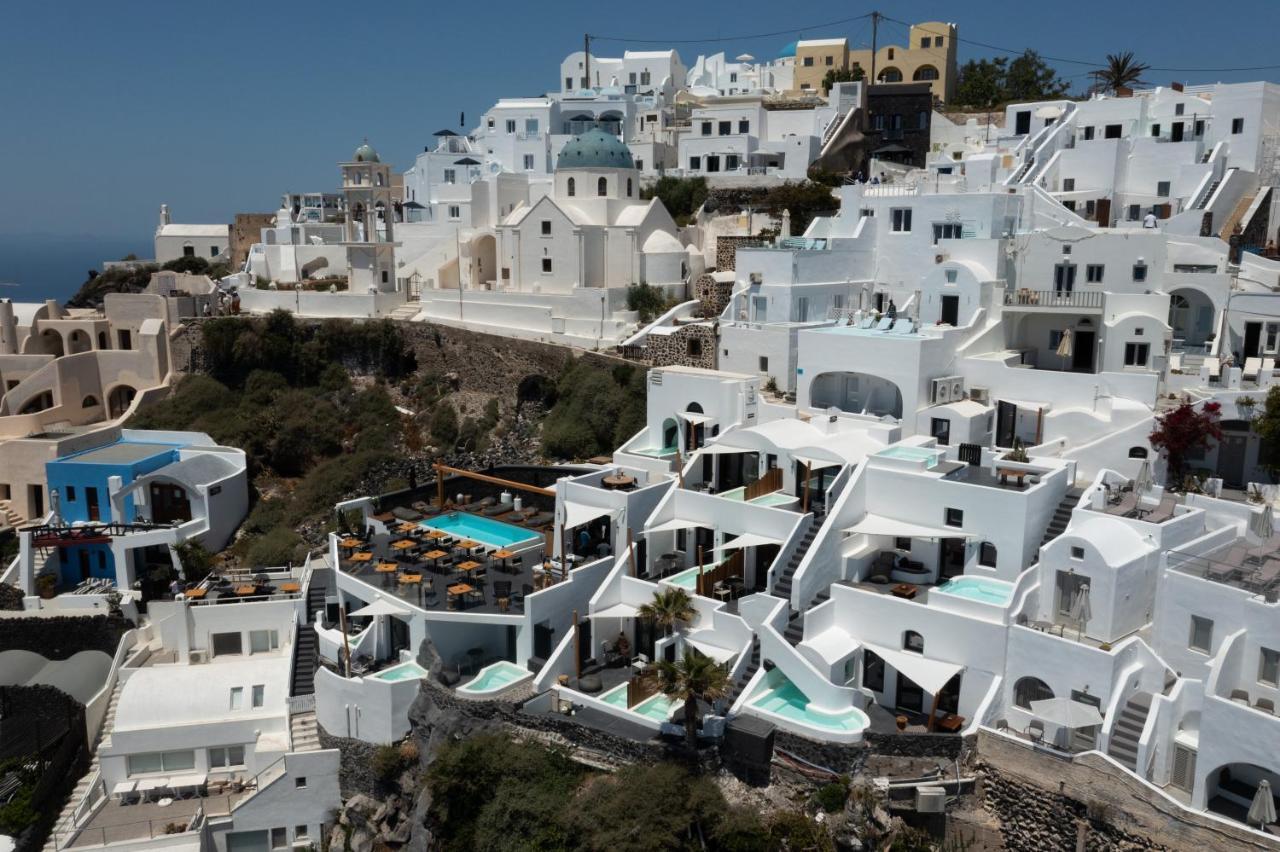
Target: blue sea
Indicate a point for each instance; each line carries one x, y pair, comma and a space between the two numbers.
35, 267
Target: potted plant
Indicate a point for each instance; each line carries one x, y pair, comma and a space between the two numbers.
47, 585
1018, 453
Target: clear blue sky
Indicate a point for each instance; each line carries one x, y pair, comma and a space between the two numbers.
109, 109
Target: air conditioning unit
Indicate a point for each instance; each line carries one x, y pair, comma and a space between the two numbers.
982, 395
931, 800
957, 389
946, 389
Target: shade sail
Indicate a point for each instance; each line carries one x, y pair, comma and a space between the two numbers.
929, 675
1066, 712
815, 463
715, 652
693, 418
720, 450
673, 525
618, 610
748, 540
381, 606
872, 524
577, 514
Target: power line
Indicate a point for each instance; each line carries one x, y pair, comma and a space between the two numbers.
730, 38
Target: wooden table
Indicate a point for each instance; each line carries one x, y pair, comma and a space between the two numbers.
436, 534
408, 527
618, 480
410, 578
291, 586
503, 555
1004, 473
904, 590
950, 723
469, 566
403, 544
194, 595
467, 545
461, 590
350, 543
364, 556
245, 590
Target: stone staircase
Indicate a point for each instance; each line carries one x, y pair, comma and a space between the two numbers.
1236, 216
306, 650
407, 311
1061, 515
1123, 745
304, 732
747, 673
65, 823
1203, 201
8, 517
782, 586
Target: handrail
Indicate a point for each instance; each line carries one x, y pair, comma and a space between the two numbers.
262, 780
1055, 298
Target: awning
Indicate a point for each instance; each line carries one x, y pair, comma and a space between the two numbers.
1049, 111
748, 540
693, 418
467, 161
892, 148
929, 675
1066, 712
815, 463
715, 652
576, 514
381, 606
620, 610
673, 525
880, 525
445, 132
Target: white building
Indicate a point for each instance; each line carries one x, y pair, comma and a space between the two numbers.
172, 241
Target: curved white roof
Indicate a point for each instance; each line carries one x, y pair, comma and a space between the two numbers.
169, 696
1115, 540
660, 242
795, 435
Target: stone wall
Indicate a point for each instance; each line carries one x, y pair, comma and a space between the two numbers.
678, 348
714, 295
245, 231
727, 250
355, 769
902, 744
1043, 802
61, 637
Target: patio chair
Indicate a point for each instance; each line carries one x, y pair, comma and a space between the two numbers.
884, 324
1035, 731
867, 322
502, 588
1268, 367
1252, 366
1241, 695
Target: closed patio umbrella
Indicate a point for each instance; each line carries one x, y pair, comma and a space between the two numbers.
1065, 347
1143, 482
1262, 524
1081, 609
1262, 810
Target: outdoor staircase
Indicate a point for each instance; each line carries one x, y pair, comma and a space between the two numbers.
782, 586
304, 733
1061, 515
407, 311
1123, 745
306, 651
65, 823
747, 673
1236, 215
8, 517
1203, 201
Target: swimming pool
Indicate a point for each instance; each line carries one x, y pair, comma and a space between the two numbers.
496, 677
783, 699
981, 589
686, 579
404, 671
927, 455
773, 498
616, 696
656, 707
481, 529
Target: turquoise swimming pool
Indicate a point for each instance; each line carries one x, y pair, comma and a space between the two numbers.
616, 696
919, 454
656, 707
481, 529
404, 671
686, 579
495, 677
981, 589
773, 498
785, 700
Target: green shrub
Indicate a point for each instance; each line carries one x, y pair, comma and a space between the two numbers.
647, 300
275, 547
386, 763
444, 425
831, 797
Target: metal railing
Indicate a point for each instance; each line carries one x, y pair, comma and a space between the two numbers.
1247, 576
1055, 298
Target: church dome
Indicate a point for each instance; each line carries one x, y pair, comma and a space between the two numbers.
595, 149
365, 154
788, 50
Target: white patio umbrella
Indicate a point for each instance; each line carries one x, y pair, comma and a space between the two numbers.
1066, 713
1081, 609
1065, 347
1143, 482
1263, 808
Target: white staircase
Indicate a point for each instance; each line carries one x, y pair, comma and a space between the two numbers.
303, 731
407, 311
9, 517
63, 828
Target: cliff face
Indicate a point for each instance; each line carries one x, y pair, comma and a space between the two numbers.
121, 280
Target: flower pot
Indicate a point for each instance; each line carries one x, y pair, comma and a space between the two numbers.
902, 722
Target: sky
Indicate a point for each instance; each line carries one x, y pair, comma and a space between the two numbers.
108, 110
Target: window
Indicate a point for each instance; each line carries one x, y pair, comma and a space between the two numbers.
706, 128
955, 517
744, 126
384, 276
546, 266
531, 126
1112, 131
693, 347
1135, 212
237, 697
160, 761
213, 251
1201, 634
730, 162
602, 186
511, 125
1178, 109
828, 60
300, 832
1155, 130
1030, 689
1135, 354
695, 164
528, 162
1068, 184
808, 62
764, 364
261, 641
987, 555
546, 227
1237, 126
946, 231
455, 212
1093, 273
570, 187
300, 783
902, 543
725, 128
279, 838
258, 695
628, 187
925, 42
71, 494
1269, 667
225, 643
901, 219
913, 641
450, 175
872, 671
1088, 133
1077, 553
891, 53
188, 251
1139, 272
226, 757
1162, 188
568, 84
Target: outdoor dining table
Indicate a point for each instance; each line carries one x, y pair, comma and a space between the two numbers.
196, 593
461, 590
123, 788
386, 569
503, 555
149, 785
350, 543
291, 586
467, 544
435, 534
408, 527
403, 544
434, 556
245, 590
469, 566
410, 578
618, 480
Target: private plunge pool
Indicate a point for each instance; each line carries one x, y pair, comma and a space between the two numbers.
479, 528
404, 671
980, 589
781, 702
495, 678
655, 708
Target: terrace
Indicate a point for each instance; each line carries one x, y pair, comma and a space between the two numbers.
1253, 569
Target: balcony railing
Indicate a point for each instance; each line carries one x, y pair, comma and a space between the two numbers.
1054, 298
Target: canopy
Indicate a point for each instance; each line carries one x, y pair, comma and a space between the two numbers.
748, 540
673, 525
719, 449
693, 418
815, 463
381, 606
872, 524
619, 610
445, 132
929, 675
1066, 712
715, 652
576, 514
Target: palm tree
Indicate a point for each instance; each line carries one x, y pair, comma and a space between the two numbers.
692, 679
1122, 70
669, 608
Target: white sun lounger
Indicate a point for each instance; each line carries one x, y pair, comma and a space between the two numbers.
903, 326
885, 324
1252, 366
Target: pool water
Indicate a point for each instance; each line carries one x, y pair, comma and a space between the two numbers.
404, 671
481, 529
686, 579
656, 707
616, 696
786, 700
907, 453
655, 452
980, 589
497, 676
773, 498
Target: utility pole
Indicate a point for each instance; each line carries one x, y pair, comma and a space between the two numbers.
875, 31
586, 60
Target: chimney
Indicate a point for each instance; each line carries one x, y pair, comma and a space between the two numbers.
164, 215
1177, 87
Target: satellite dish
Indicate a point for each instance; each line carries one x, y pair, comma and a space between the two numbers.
746, 57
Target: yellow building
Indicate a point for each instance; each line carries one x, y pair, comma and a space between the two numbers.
928, 57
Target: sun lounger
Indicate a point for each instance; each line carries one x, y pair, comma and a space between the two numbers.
867, 322
885, 324
1214, 368
1252, 366
903, 326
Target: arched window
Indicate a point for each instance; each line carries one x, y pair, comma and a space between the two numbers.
570, 187
89, 402
925, 72
913, 641
891, 75
628, 187
1030, 689
602, 186
1137, 452
987, 555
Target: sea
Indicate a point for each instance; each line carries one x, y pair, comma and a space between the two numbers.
35, 267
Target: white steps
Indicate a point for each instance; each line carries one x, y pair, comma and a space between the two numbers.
64, 825
304, 734
407, 311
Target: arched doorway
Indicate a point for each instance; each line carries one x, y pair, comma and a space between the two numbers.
670, 434
925, 73
50, 343
1229, 789
78, 341
1191, 318
484, 262
169, 503
119, 400
856, 393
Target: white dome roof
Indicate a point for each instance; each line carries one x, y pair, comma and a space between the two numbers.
660, 242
